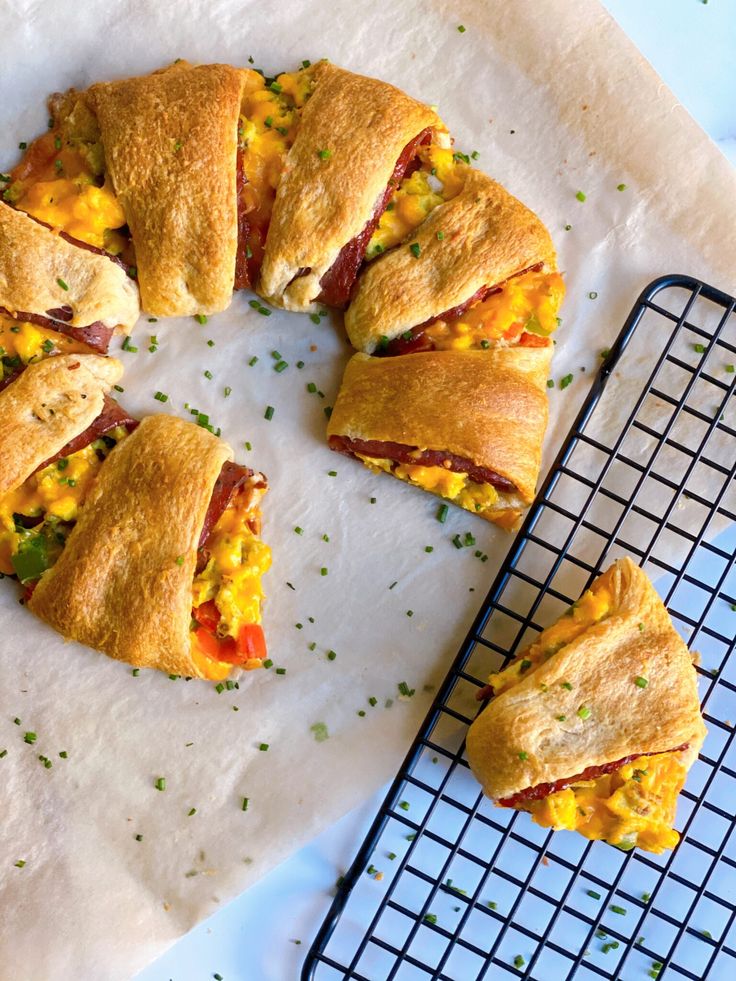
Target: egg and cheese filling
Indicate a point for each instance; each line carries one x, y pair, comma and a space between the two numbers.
267, 128
438, 179
231, 581
61, 182
592, 607
632, 807
455, 487
36, 518
23, 343
526, 304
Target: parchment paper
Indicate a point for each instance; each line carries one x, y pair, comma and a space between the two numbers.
556, 101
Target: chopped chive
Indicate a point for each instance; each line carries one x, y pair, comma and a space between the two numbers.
523, 755
200, 318
324, 154
127, 346
641, 682
584, 712
415, 249
323, 571
192, 812
227, 391
60, 282
620, 187
442, 513
331, 655
314, 317
567, 380
160, 783
253, 360
593, 894
699, 348
580, 196
429, 548
263, 747
519, 961
269, 412
30, 737
592, 295
618, 909
245, 803
298, 530
161, 397
281, 366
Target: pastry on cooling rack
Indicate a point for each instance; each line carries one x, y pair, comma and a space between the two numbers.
465, 425
54, 296
163, 566
57, 424
594, 726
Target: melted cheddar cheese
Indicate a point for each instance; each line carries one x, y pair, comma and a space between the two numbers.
237, 561
527, 302
267, 129
232, 577
438, 179
54, 495
632, 807
592, 607
60, 182
23, 343
456, 487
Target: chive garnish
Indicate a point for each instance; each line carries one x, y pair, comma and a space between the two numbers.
160, 783
618, 909
324, 154
245, 803
584, 712
263, 747
641, 682
269, 412
161, 397
415, 249
580, 196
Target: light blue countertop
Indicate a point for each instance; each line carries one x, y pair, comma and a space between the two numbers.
265, 933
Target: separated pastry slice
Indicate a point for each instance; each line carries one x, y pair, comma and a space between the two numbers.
54, 296
465, 425
478, 270
593, 727
356, 137
163, 568
57, 425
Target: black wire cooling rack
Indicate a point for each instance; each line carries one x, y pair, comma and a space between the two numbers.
447, 886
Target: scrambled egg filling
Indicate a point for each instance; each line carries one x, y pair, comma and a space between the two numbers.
438, 179
60, 182
527, 303
23, 343
592, 607
456, 487
232, 581
36, 518
632, 807
267, 129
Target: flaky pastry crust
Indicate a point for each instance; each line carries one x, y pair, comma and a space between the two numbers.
40, 272
49, 404
487, 406
322, 204
486, 236
123, 583
637, 639
170, 142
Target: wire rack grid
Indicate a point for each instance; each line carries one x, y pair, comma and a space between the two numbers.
447, 886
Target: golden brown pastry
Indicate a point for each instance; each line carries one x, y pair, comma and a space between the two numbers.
57, 425
170, 142
479, 239
594, 726
71, 289
466, 425
46, 406
356, 136
168, 533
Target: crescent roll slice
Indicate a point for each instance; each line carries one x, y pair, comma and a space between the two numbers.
355, 140
57, 425
465, 425
62, 297
593, 727
479, 270
170, 144
163, 568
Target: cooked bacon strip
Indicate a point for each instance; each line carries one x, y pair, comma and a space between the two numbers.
337, 283
543, 790
96, 336
111, 417
242, 274
402, 453
231, 478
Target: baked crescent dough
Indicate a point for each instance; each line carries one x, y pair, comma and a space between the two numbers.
123, 583
486, 236
322, 203
635, 639
46, 406
489, 407
35, 262
170, 143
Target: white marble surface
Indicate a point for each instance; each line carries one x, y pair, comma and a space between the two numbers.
265, 933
